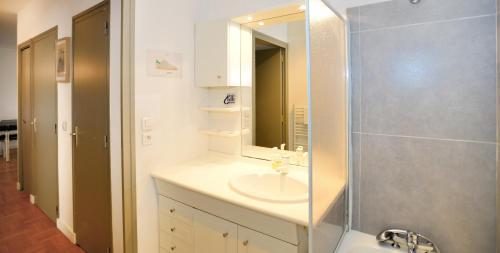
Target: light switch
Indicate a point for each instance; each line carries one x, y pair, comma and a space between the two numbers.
147, 123
147, 139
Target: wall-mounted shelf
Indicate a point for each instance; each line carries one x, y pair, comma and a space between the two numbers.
224, 133
224, 109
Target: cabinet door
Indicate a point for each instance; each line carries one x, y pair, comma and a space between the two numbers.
213, 234
250, 241
211, 53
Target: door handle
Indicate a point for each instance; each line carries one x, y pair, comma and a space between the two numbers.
34, 125
75, 134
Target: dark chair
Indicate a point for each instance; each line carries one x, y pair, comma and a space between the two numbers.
2, 144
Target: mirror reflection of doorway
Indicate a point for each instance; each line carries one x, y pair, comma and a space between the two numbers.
270, 92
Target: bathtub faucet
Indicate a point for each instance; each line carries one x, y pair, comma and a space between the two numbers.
416, 243
412, 241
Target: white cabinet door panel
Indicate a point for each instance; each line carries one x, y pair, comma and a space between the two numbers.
176, 210
213, 234
250, 241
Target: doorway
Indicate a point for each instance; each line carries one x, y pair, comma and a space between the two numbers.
25, 119
270, 93
91, 157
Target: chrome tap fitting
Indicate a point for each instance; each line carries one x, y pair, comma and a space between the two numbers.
416, 243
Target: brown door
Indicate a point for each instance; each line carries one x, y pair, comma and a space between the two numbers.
45, 123
91, 169
269, 98
25, 173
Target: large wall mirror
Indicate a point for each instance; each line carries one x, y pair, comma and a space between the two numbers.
274, 83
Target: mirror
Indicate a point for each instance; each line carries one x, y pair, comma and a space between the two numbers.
274, 83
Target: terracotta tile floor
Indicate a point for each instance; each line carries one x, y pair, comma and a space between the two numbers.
24, 227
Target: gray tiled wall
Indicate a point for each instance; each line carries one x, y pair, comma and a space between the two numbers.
425, 120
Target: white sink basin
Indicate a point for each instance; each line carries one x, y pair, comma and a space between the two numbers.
272, 187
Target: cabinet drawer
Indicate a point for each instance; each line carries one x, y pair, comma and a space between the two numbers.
177, 210
214, 235
173, 244
250, 241
181, 230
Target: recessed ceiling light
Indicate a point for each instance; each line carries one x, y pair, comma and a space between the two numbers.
261, 23
249, 18
302, 7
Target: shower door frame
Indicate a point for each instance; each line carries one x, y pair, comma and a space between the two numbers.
349, 180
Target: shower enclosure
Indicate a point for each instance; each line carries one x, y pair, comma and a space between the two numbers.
329, 127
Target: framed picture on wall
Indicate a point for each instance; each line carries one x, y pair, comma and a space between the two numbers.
62, 59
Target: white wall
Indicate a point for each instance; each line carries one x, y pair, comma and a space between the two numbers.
8, 85
172, 103
37, 17
218, 9
8, 51
277, 31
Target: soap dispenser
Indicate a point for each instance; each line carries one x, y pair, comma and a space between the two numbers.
275, 159
285, 160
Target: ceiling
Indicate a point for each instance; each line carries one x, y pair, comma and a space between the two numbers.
12, 6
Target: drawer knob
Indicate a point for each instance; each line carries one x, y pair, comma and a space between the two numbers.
172, 248
172, 210
172, 229
245, 243
225, 235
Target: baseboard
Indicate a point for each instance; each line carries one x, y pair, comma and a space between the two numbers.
18, 186
32, 199
67, 231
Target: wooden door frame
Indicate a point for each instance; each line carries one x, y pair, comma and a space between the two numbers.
285, 92
128, 126
30, 44
20, 169
74, 19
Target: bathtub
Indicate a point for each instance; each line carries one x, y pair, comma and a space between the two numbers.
357, 242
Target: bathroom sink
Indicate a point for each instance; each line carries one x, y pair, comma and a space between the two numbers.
272, 187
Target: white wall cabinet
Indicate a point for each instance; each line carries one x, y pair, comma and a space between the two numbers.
217, 53
185, 229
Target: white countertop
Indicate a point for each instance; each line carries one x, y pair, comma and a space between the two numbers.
210, 175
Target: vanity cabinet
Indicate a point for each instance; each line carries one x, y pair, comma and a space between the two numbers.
185, 229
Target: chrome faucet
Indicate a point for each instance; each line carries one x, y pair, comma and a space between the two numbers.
415, 242
412, 241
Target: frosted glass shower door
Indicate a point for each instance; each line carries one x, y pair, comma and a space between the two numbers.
328, 126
